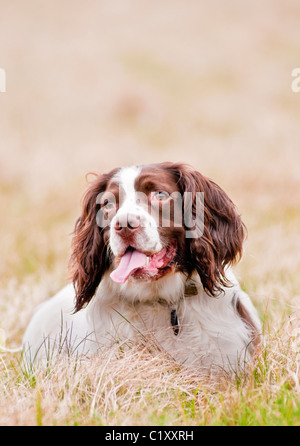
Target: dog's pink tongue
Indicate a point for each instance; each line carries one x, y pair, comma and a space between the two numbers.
130, 261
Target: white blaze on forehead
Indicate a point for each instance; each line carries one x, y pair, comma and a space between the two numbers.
126, 177
147, 238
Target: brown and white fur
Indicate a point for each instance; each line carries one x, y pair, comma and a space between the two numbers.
191, 305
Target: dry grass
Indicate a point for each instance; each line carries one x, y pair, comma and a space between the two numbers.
144, 387
93, 86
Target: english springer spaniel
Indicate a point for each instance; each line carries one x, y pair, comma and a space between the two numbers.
151, 259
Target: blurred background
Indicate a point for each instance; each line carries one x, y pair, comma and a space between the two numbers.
97, 84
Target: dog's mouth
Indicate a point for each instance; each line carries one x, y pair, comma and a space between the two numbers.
136, 264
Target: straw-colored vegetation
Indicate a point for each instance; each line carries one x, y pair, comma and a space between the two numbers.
94, 85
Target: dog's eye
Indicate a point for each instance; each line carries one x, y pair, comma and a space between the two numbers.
159, 196
108, 205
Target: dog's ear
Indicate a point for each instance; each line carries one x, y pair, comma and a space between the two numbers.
89, 258
221, 240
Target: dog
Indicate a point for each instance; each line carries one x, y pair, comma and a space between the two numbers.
152, 257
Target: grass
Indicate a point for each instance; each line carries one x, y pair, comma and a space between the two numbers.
93, 88
142, 388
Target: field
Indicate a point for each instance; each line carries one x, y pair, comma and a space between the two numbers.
95, 85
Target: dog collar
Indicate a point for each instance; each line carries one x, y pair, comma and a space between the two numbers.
175, 322
190, 289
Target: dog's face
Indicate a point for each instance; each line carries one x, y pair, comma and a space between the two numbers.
137, 223
138, 209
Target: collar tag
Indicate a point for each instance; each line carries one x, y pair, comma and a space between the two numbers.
190, 288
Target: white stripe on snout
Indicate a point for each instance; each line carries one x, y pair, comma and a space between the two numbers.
148, 238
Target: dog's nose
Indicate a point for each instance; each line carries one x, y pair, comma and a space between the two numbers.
127, 224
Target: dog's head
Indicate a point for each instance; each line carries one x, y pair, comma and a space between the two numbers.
142, 223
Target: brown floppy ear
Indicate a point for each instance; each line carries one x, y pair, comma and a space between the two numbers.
89, 258
221, 243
